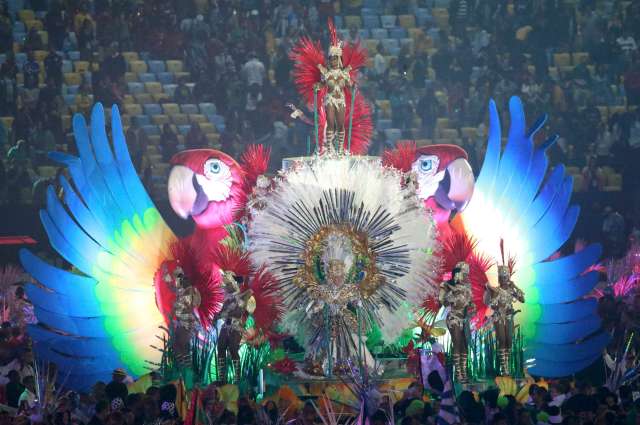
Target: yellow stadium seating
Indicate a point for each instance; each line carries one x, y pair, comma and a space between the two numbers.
180, 119
353, 21
181, 75
580, 57
415, 32
7, 122
207, 127
160, 97
81, 66
385, 107
197, 118
174, 66
72, 79
138, 66
128, 99
133, 109
34, 23
171, 108
130, 56
160, 119
407, 21
561, 59
143, 98
26, 15
44, 36
130, 77
153, 87
39, 55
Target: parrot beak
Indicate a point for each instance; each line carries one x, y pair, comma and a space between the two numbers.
456, 188
185, 193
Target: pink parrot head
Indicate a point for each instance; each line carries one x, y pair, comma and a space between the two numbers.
207, 185
445, 179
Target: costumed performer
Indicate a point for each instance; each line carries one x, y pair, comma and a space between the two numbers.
456, 294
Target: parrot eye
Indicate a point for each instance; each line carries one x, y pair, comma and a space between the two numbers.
426, 165
213, 166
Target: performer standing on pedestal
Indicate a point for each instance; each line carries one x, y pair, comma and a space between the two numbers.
456, 294
328, 87
501, 299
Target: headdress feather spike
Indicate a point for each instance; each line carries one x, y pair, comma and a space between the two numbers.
333, 34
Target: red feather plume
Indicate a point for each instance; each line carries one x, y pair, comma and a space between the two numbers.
460, 247
306, 56
355, 56
255, 162
269, 308
204, 278
333, 34
401, 157
232, 260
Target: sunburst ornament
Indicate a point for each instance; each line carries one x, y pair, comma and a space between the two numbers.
350, 246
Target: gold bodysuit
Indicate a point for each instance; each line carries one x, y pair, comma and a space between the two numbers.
460, 300
336, 79
501, 301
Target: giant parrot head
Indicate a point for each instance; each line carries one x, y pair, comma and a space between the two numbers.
444, 178
207, 185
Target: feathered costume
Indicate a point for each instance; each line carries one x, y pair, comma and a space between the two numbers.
308, 60
350, 249
110, 310
513, 201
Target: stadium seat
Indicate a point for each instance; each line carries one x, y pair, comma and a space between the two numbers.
160, 120
371, 21
407, 42
160, 97
7, 122
67, 66
69, 99
397, 33
189, 109
19, 39
34, 23
165, 77
390, 44
141, 120
72, 89
182, 75
73, 78
130, 56
26, 15
152, 109
169, 89
214, 139
388, 21
19, 27
133, 109
561, 59
352, 21
179, 119
135, 87
218, 121
3, 58
338, 21
130, 77
138, 66
153, 87
21, 59
39, 55
151, 130
81, 66
579, 57
171, 108
44, 36
184, 129
383, 124
372, 47
207, 127
407, 21
415, 33
199, 118
393, 134
143, 98
174, 66
207, 108
379, 34
74, 55
146, 77
156, 66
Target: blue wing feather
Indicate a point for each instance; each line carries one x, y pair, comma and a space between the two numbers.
559, 369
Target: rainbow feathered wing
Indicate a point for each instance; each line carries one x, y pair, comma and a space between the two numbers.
515, 200
103, 314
